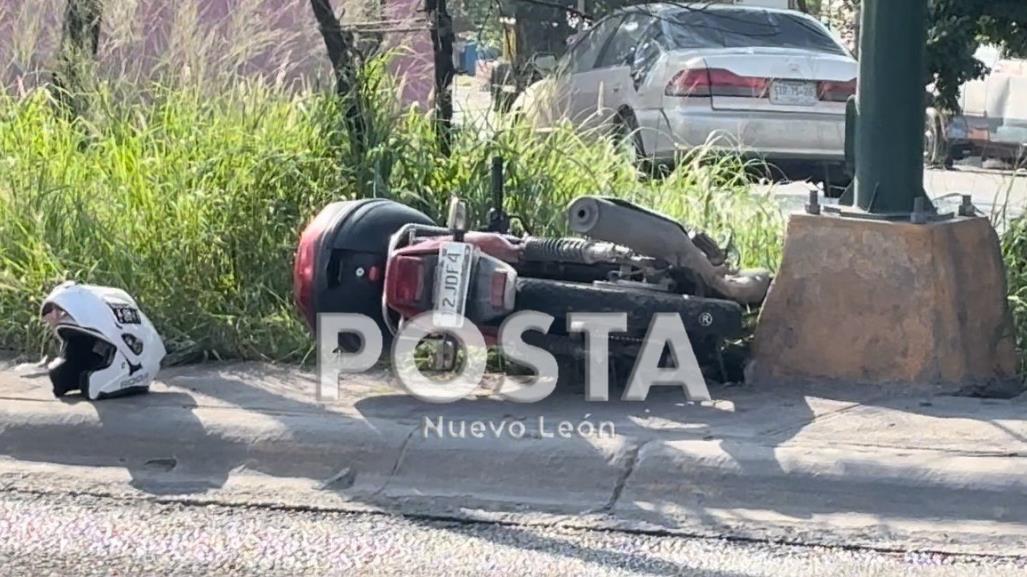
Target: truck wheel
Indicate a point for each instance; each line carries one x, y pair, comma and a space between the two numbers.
936, 150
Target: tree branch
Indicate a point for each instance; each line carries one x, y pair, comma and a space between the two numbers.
442, 43
342, 55
338, 45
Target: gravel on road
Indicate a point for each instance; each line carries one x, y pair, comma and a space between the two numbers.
81, 535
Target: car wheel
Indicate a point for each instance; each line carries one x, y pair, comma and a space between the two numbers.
836, 184
703, 317
834, 178
627, 136
708, 322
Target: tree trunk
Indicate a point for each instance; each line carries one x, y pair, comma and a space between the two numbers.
442, 44
80, 41
339, 45
803, 7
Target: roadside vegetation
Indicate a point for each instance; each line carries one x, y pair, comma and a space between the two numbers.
1014, 250
192, 200
187, 180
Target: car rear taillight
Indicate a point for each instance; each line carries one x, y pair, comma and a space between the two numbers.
706, 82
689, 82
405, 280
832, 91
304, 268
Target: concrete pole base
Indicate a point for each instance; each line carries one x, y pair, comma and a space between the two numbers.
875, 302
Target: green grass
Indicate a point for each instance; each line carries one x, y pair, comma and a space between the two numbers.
1014, 252
188, 180
193, 201
192, 204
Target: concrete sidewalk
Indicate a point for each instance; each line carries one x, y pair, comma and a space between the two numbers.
824, 465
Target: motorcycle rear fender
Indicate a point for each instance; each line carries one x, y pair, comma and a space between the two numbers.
486, 270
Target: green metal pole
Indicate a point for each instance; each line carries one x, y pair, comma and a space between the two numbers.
890, 106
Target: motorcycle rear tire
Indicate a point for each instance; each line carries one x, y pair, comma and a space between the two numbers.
704, 318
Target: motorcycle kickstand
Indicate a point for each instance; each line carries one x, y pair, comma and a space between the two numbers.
444, 356
720, 364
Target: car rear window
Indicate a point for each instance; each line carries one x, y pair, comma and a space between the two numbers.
699, 28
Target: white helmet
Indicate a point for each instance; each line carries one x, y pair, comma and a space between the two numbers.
108, 346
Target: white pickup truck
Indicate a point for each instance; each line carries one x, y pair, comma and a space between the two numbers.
993, 119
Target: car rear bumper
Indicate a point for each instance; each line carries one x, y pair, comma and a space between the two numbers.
772, 135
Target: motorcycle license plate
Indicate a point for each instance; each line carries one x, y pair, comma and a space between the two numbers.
452, 279
793, 93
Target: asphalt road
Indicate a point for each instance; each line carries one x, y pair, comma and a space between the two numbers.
57, 534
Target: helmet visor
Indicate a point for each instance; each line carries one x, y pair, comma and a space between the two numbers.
82, 354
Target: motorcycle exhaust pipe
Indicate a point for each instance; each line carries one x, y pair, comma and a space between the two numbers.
655, 235
629, 225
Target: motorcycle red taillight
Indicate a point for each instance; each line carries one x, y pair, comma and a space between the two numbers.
497, 292
304, 268
405, 280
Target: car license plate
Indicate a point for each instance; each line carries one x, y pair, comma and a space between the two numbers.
452, 279
793, 93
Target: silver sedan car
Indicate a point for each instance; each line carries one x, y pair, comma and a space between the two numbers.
671, 77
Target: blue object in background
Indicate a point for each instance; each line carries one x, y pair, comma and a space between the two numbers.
470, 58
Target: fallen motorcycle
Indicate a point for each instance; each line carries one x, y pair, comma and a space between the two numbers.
390, 262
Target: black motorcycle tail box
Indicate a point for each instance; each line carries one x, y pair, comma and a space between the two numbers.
351, 255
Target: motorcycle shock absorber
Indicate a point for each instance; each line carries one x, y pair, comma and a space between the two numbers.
572, 250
